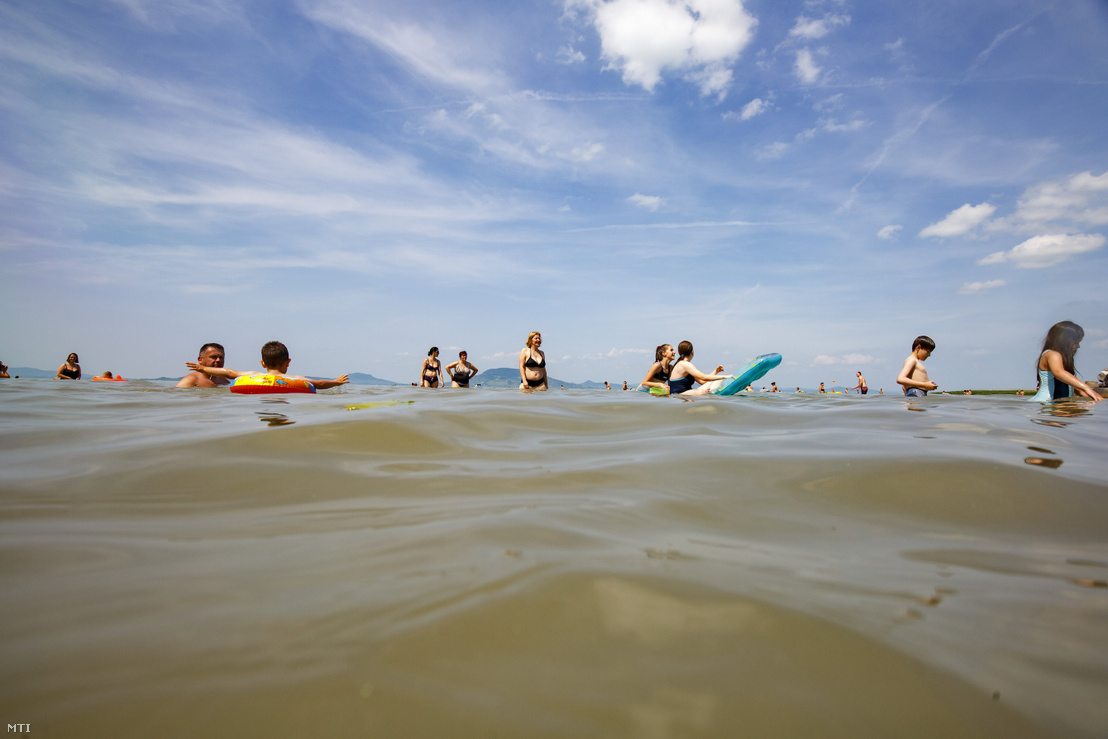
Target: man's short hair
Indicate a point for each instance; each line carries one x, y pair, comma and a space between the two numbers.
211, 345
274, 354
925, 341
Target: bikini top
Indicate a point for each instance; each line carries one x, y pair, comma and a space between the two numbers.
532, 363
71, 374
661, 374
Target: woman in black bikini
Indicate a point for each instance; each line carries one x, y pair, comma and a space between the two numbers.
461, 372
532, 364
70, 370
430, 374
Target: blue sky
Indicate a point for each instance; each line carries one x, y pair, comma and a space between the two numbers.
364, 180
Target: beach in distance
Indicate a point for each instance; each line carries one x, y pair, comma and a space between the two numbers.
390, 561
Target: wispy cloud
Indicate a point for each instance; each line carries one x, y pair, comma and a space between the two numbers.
976, 288
889, 232
851, 359
814, 28
1046, 251
960, 221
807, 71
650, 202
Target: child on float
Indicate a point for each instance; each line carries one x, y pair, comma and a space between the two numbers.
275, 359
1056, 370
684, 376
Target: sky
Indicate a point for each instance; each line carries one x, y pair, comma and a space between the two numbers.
365, 180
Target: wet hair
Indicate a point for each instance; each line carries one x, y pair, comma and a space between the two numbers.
462, 353
685, 349
531, 336
1063, 337
925, 341
274, 354
76, 359
660, 352
211, 345
432, 350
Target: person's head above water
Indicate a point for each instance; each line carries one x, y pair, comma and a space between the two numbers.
211, 355
685, 349
72, 358
1064, 337
924, 341
660, 352
532, 338
275, 355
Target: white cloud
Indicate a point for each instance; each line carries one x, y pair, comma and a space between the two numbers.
569, 55
772, 151
888, 232
754, 108
895, 45
976, 288
960, 221
833, 127
813, 28
1046, 251
806, 69
650, 202
852, 359
644, 38
1080, 200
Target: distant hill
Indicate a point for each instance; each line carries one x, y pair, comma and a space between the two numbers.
31, 372
360, 378
509, 377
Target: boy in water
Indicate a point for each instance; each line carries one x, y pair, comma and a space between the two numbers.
275, 359
913, 375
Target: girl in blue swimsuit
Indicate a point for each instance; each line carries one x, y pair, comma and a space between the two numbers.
1056, 370
684, 376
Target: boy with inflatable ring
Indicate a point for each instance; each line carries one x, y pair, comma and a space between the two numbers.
275, 359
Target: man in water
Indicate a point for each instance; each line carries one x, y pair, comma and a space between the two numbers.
211, 355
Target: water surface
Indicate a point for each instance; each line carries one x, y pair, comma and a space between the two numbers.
574, 563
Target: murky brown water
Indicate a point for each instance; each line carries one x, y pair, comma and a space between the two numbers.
578, 563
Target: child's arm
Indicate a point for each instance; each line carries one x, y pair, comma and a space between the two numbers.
324, 384
216, 371
1054, 364
905, 379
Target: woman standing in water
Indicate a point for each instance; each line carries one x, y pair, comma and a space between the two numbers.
461, 372
70, 370
684, 376
657, 377
532, 364
430, 374
1056, 370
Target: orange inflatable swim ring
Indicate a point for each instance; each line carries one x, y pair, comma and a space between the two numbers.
110, 379
259, 384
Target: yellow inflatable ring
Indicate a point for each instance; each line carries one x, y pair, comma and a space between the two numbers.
256, 384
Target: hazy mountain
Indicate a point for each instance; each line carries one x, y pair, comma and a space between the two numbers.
509, 377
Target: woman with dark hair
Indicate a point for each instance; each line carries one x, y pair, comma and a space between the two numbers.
684, 376
430, 374
1056, 370
657, 377
461, 372
69, 370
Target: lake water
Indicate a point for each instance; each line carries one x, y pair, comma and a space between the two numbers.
569, 564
